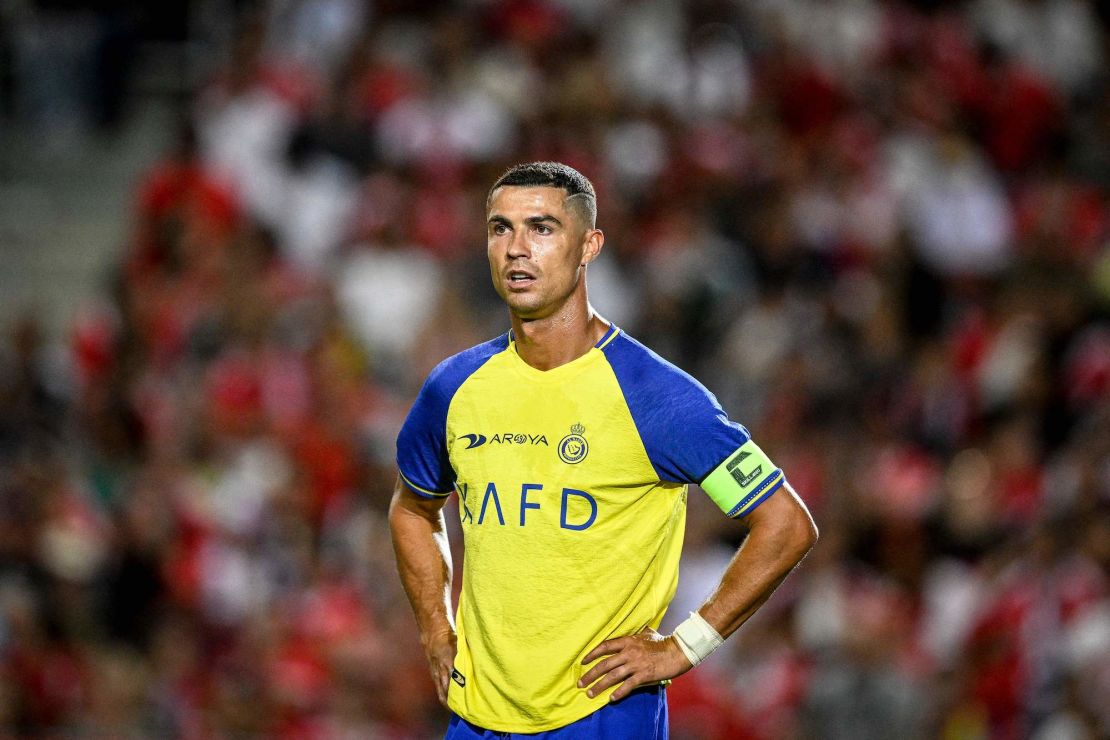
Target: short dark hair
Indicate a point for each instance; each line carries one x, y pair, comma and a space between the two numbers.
556, 175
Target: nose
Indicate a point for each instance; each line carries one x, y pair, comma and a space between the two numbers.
518, 245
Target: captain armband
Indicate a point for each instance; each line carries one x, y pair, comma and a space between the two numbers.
743, 481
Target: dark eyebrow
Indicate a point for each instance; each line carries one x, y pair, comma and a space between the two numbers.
531, 220
541, 219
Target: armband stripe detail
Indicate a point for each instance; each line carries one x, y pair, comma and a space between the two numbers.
743, 480
424, 492
765, 489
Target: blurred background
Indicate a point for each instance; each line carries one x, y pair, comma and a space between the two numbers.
235, 236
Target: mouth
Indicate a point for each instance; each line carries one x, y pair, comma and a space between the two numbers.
519, 279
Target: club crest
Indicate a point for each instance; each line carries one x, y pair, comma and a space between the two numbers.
573, 448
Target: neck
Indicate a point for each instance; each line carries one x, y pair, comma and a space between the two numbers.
557, 339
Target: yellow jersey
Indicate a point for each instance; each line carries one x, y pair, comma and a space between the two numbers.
572, 498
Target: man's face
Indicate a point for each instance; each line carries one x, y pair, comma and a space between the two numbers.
537, 244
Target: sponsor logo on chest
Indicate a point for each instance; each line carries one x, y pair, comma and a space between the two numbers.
503, 438
494, 503
571, 449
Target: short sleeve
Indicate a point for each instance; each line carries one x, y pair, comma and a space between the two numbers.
422, 457
685, 431
422, 444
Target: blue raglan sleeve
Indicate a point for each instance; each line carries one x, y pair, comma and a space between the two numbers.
687, 435
422, 456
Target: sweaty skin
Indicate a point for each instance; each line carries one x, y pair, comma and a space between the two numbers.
535, 233
539, 244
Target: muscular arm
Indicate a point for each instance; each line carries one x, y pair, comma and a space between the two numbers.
424, 562
781, 532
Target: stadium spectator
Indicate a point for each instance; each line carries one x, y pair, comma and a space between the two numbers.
896, 274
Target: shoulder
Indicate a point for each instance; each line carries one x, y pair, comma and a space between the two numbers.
639, 368
684, 430
449, 375
422, 457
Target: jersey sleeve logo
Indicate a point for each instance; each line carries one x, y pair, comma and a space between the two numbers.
573, 448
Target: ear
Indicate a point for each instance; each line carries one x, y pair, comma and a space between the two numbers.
595, 240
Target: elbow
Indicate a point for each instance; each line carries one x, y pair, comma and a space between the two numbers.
802, 528
803, 533
785, 524
811, 533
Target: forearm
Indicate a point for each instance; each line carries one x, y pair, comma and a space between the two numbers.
781, 533
424, 563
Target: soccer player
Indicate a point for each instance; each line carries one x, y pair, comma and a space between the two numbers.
570, 446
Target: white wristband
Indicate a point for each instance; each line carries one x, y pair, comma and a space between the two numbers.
697, 638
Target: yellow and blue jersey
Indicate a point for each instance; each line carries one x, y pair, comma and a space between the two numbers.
572, 498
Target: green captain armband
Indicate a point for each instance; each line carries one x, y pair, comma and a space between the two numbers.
743, 481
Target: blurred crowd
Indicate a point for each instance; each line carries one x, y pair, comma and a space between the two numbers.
878, 231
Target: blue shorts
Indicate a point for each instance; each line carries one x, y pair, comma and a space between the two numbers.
642, 715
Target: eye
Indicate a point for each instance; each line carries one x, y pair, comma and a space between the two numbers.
543, 229
500, 228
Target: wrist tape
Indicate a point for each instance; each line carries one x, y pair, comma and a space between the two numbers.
697, 638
